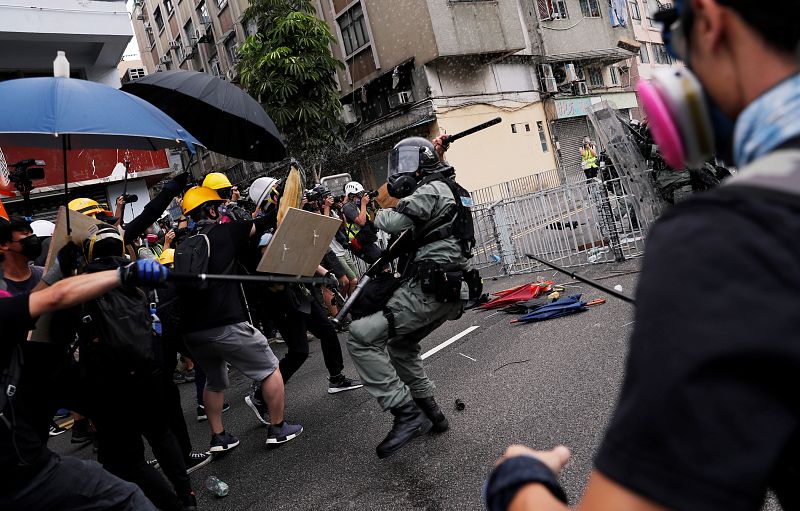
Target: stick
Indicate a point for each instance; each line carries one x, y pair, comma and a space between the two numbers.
586, 280
448, 139
277, 279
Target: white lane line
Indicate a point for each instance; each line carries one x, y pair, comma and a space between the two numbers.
448, 342
467, 356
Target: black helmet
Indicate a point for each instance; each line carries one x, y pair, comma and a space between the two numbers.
406, 158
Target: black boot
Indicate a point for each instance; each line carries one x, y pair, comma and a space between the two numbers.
434, 413
409, 422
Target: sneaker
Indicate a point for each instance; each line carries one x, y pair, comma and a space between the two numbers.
81, 432
201, 412
56, 430
154, 464
283, 433
259, 408
223, 442
189, 502
342, 383
197, 460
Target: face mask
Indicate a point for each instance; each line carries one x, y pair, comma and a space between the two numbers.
401, 185
31, 247
688, 127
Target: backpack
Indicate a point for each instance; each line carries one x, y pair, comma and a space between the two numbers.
116, 331
192, 256
460, 226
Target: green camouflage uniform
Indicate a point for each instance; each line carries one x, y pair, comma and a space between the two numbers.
391, 369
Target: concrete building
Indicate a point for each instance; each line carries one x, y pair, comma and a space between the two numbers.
94, 35
198, 35
428, 67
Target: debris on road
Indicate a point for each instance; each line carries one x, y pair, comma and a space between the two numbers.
460, 405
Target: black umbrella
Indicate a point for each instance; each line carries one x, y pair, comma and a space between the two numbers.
223, 117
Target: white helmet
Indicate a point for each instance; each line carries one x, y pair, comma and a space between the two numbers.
353, 187
43, 228
260, 189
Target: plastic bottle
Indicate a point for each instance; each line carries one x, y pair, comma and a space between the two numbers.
217, 487
61, 66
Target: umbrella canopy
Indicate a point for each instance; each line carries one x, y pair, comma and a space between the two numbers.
561, 307
519, 294
36, 112
222, 116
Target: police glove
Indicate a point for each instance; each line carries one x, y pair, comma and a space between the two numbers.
144, 272
331, 281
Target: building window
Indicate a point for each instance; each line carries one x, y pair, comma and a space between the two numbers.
635, 14
179, 51
213, 66
150, 37
159, 19
542, 136
649, 13
596, 77
188, 30
221, 4
590, 8
560, 9
354, 30
644, 55
612, 73
251, 27
168, 7
202, 13
232, 50
660, 54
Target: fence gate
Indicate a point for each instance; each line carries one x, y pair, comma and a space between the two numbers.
571, 225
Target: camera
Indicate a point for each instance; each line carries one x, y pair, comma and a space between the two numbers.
370, 195
181, 231
25, 172
129, 198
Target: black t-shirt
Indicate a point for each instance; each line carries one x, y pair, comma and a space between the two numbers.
23, 452
220, 303
709, 414
26, 286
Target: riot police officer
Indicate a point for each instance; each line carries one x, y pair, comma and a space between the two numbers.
384, 345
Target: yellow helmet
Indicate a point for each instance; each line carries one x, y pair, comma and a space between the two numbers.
197, 196
88, 207
167, 256
216, 181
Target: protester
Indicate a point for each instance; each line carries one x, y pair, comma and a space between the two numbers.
230, 210
708, 415
214, 320
33, 476
358, 214
19, 247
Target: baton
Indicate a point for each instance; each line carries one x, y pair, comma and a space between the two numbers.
448, 139
276, 279
352, 299
586, 280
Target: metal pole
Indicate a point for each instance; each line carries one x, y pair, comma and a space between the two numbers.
276, 279
64, 146
586, 280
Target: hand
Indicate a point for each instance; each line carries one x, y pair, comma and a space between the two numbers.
144, 272
68, 258
169, 236
331, 281
555, 459
328, 201
441, 144
235, 195
120, 201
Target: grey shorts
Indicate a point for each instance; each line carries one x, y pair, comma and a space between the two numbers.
349, 265
241, 345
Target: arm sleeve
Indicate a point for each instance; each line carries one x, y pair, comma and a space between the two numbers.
15, 313
152, 211
709, 403
350, 212
392, 222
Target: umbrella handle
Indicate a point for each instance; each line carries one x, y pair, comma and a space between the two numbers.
64, 148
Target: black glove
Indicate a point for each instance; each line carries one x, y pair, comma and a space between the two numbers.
144, 272
331, 281
178, 183
69, 257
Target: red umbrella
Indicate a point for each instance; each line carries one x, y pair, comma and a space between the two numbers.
521, 293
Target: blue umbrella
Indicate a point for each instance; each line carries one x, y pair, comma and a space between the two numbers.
561, 307
78, 114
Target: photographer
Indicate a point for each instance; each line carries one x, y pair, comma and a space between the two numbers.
358, 216
588, 152
33, 476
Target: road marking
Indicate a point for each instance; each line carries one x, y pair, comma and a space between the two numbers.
448, 342
467, 356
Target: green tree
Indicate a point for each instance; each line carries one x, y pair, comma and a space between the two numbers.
288, 66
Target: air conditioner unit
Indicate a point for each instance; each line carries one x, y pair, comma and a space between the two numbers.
160, 68
401, 98
166, 59
565, 73
147, 25
572, 75
349, 114
580, 89
580, 74
174, 45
